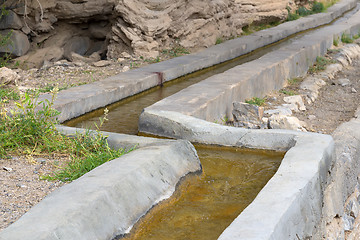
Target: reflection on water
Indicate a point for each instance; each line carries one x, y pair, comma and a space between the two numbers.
204, 205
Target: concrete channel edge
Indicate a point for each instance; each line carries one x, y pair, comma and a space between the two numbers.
76, 101
110, 199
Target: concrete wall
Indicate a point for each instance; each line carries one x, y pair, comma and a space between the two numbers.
212, 98
76, 101
108, 200
290, 204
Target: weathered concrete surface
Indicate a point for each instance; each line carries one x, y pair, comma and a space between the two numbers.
289, 206
344, 177
79, 100
110, 199
213, 98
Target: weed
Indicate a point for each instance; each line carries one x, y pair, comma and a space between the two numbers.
317, 7
7, 94
287, 92
336, 42
152, 60
224, 119
30, 129
293, 81
175, 51
320, 64
256, 101
356, 36
346, 38
247, 30
219, 40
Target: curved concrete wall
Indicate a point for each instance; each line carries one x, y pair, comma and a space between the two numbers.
108, 200
290, 204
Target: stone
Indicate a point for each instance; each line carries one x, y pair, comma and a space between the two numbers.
279, 110
247, 115
348, 222
277, 121
78, 45
353, 90
343, 82
102, 63
18, 45
311, 117
74, 57
7, 169
37, 58
296, 100
10, 21
8, 77
125, 55
352, 207
125, 69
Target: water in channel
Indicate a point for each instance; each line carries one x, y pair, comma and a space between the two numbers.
204, 205
123, 115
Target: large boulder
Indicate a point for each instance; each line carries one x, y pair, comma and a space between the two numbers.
10, 21
18, 43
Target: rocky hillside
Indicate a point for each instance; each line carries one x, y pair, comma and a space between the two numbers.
49, 30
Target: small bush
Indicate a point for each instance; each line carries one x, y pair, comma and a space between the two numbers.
219, 41
320, 64
317, 7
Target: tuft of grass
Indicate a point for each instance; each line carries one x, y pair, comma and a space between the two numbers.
287, 92
7, 94
293, 81
219, 40
315, 7
256, 101
152, 60
30, 129
175, 51
356, 36
335, 42
320, 64
346, 38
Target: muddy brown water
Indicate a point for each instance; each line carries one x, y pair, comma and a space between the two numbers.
205, 204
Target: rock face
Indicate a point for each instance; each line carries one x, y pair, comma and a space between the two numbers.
143, 28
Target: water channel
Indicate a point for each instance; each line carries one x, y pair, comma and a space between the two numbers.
204, 205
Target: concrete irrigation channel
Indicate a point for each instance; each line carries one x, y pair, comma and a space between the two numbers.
109, 200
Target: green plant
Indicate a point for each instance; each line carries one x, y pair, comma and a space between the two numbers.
175, 51
336, 42
224, 119
287, 92
356, 36
293, 81
320, 64
346, 38
5, 40
256, 101
152, 60
317, 7
7, 94
219, 40
30, 129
